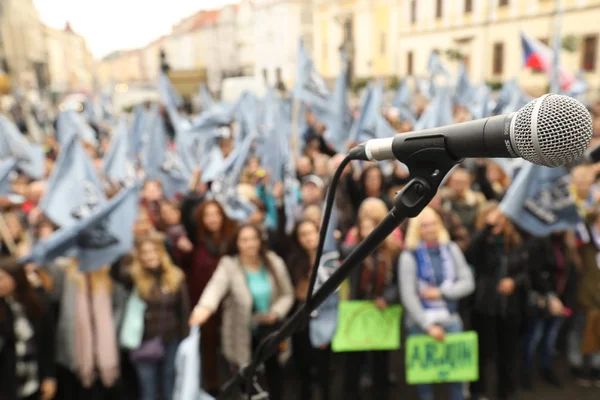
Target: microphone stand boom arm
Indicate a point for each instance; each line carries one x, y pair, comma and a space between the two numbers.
428, 167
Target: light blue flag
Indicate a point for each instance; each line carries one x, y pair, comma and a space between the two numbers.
73, 183
339, 119
511, 98
188, 368
539, 201
365, 127
403, 101
206, 100
30, 157
138, 131
426, 88
213, 165
90, 110
101, 233
70, 122
275, 137
310, 87
170, 99
116, 166
438, 112
6, 169
479, 107
163, 162
435, 66
464, 90
404, 96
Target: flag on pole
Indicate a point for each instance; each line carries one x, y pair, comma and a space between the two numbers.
365, 127
70, 122
6, 168
539, 56
30, 157
206, 100
539, 201
339, 119
438, 112
310, 87
101, 233
73, 187
138, 133
116, 166
464, 90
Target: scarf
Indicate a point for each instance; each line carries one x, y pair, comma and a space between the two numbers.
426, 274
95, 341
26, 366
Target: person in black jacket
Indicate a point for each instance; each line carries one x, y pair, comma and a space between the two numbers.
500, 258
552, 298
27, 367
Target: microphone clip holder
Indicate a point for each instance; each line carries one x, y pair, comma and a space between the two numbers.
428, 167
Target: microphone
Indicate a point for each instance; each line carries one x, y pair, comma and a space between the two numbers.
552, 130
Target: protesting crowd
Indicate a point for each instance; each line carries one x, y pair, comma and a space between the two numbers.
147, 256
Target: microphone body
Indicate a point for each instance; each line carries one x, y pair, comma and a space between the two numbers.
478, 138
552, 130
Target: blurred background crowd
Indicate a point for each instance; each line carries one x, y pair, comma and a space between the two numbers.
138, 227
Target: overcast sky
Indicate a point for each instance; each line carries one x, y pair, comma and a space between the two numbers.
110, 25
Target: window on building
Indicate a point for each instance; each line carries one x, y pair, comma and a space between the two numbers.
413, 12
409, 63
438, 8
503, 3
382, 43
498, 58
468, 6
590, 47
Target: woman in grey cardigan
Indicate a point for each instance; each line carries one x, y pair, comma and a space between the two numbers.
257, 293
434, 275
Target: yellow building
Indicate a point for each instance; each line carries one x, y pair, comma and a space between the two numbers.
396, 37
69, 60
366, 29
121, 67
487, 35
22, 46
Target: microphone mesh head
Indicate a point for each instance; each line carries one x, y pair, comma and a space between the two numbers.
552, 130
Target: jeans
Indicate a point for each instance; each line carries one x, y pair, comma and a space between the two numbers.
149, 374
455, 388
545, 330
576, 359
355, 362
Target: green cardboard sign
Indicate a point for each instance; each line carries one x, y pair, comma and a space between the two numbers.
430, 361
361, 326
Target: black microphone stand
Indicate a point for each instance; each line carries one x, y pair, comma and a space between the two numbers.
428, 167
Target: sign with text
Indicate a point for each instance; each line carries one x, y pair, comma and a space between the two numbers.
430, 361
362, 326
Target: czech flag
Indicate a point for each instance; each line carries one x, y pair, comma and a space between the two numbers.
539, 56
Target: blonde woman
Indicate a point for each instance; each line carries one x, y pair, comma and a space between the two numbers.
435, 275
162, 287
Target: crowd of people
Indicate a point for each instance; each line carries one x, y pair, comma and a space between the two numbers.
460, 265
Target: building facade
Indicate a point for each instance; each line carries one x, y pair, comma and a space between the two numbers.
278, 26
245, 37
486, 35
70, 62
23, 48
